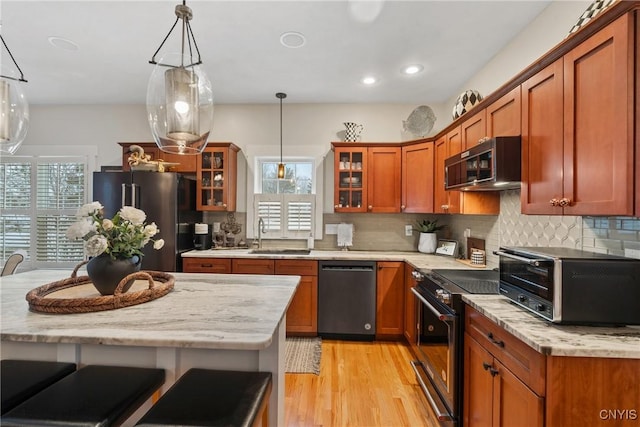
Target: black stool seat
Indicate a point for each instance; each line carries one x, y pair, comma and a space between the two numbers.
203, 397
21, 379
95, 395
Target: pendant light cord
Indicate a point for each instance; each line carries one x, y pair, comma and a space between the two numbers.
281, 96
21, 79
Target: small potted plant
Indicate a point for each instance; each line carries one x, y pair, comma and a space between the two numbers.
428, 239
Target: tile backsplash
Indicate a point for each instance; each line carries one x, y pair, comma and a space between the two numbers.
385, 232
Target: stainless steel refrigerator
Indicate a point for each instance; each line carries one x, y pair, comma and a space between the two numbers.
168, 199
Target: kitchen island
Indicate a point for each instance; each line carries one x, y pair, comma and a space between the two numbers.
214, 321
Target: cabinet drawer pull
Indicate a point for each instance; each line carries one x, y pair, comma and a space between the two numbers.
206, 265
493, 340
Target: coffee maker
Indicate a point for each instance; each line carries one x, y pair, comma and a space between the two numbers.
202, 237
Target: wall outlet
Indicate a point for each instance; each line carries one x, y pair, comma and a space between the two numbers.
408, 230
467, 232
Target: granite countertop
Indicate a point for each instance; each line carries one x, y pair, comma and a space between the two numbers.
416, 259
212, 311
558, 340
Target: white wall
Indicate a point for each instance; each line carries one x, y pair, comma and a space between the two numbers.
545, 32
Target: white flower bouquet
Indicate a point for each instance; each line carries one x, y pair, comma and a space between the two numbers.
122, 236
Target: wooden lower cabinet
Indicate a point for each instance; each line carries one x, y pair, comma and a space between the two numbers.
410, 319
252, 266
302, 314
206, 265
508, 383
494, 396
390, 299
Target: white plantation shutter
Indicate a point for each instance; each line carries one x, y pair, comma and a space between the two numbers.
39, 197
270, 210
286, 215
299, 214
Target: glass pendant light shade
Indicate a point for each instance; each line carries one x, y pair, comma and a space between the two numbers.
14, 114
180, 106
280, 170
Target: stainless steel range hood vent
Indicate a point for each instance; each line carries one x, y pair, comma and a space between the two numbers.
492, 165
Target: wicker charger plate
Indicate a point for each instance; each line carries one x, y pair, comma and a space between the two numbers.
77, 294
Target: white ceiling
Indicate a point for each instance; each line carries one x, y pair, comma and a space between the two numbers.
240, 46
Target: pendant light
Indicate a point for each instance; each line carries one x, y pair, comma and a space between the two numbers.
179, 94
14, 109
281, 96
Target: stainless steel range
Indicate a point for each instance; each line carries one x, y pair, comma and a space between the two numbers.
440, 319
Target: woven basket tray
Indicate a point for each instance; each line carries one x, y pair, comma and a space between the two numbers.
78, 295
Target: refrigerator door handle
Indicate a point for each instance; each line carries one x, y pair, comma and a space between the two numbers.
124, 194
133, 195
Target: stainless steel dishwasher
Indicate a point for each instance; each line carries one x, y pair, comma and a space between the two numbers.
347, 299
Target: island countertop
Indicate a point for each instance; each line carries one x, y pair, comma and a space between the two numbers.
208, 311
558, 340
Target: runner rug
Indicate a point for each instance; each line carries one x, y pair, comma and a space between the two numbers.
302, 355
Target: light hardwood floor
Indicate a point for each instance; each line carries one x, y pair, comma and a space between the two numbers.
363, 384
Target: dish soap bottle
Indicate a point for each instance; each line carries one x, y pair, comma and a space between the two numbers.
310, 241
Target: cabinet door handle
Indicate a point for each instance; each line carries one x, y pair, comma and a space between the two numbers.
444, 207
370, 207
564, 202
493, 371
554, 202
493, 340
402, 207
486, 366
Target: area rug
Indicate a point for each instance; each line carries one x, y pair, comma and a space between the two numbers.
302, 355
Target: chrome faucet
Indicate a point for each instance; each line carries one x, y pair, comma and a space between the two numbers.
261, 230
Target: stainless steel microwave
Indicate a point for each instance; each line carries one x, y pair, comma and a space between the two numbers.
492, 165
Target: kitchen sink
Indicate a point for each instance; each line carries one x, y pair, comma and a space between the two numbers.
281, 251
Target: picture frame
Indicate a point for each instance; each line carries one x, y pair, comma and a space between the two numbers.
447, 247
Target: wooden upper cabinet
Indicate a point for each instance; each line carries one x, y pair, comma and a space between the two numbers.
473, 129
440, 195
504, 115
577, 129
598, 122
350, 178
384, 179
542, 153
217, 177
186, 163
454, 146
418, 177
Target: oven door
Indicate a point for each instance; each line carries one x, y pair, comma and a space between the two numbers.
535, 275
438, 366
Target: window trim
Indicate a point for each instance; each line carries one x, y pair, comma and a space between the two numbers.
305, 152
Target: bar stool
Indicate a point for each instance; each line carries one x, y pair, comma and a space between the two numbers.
203, 397
95, 395
21, 379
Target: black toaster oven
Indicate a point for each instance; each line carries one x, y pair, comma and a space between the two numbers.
572, 286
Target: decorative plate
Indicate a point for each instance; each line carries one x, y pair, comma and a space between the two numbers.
420, 121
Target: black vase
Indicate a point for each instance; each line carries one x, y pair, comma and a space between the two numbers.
106, 272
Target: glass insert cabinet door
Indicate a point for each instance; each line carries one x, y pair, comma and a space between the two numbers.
216, 175
350, 186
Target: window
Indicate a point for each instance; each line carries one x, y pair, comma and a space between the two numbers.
286, 206
39, 198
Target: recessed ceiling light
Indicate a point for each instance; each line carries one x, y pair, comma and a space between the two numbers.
412, 69
63, 43
369, 80
292, 39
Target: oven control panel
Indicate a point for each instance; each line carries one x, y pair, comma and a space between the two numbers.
528, 300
